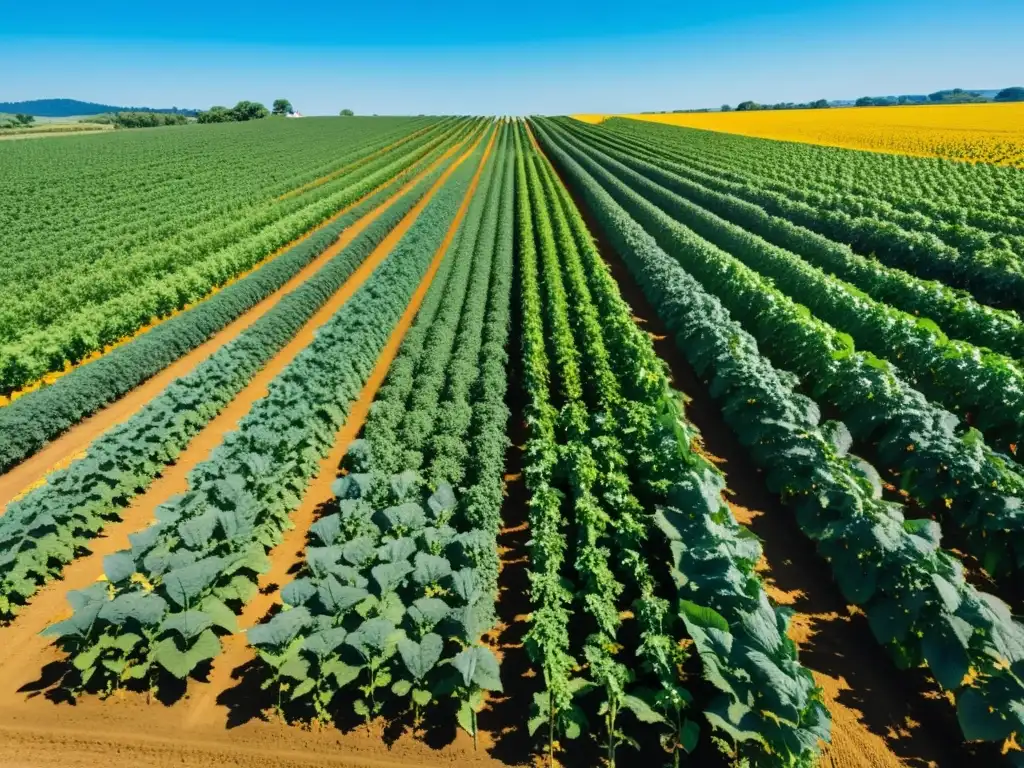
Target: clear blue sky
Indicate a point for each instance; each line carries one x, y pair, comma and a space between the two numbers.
516, 57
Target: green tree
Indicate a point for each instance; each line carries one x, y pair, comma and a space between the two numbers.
747, 106
1016, 93
346, 113
726, 108
250, 110
24, 119
281, 107
216, 115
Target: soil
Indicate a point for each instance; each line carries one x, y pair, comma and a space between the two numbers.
126, 729
73, 443
881, 717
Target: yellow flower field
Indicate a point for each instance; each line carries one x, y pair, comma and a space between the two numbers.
990, 133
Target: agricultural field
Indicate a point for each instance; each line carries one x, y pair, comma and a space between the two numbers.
473, 441
979, 133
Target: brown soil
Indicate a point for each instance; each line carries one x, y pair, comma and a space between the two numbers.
72, 444
125, 729
881, 718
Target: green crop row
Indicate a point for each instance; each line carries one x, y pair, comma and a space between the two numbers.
34, 419
680, 555
914, 594
168, 597
976, 489
994, 276
980, 196
958, 375
47, 528
955, 311
190, 271
397, 585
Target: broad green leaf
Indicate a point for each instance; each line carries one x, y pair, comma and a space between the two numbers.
147, 608
188, 624
219, 614
478, 666
118, 567
184, 585
703, 616
643, 711
323, 643
298, 592
280, 630
420, 658
430, 569
338, 598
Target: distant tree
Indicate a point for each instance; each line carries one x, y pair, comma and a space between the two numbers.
726, 108
24, 119
249, 110
1016, 93
819, 104
346, 113
282, 107
955, 96
864, 101
139, 119
747, 106
216, 115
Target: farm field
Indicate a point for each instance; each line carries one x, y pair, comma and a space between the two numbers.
976, 133
471, 441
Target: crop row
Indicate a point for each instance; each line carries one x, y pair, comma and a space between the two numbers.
398, 584
644, 521
146, 188
167, 598
48, 527
914, 594
940, 465
35, 418
955, 311
964, 378
170, 275
995, 276
980, 196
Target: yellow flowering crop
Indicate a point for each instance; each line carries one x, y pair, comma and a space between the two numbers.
989, 133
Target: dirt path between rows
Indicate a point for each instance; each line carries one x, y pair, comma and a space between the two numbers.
73, 443
125, 730
881, 718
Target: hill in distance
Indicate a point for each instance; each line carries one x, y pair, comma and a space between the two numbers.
74, 108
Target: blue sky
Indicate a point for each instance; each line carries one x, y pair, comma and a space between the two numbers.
521, 57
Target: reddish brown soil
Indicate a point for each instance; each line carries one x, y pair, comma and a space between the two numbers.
881, 717
72, 444
127, 730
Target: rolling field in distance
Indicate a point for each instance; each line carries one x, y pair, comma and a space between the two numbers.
981, 133
481, 441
